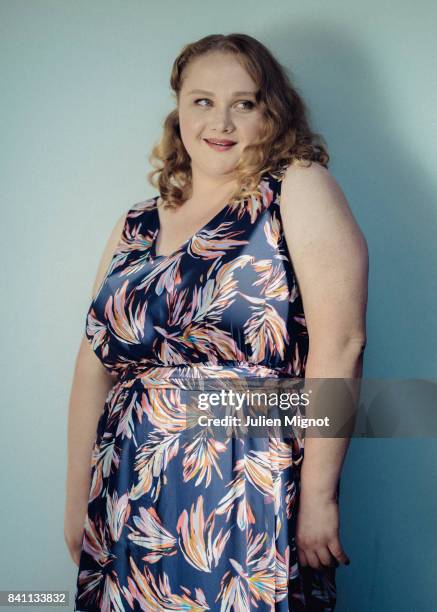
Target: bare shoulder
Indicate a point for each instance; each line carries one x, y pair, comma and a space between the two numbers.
108, 251
311, 186
314, 205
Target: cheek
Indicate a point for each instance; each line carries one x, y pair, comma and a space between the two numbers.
253, 129
189, 121
187, 134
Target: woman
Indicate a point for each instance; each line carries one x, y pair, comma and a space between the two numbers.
209, 279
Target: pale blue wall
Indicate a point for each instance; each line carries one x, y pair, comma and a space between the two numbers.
84, 92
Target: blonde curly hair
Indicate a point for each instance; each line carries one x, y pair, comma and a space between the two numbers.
286, 134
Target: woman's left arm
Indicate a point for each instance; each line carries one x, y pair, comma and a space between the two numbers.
330, 260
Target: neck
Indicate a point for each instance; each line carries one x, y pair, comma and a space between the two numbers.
207, 187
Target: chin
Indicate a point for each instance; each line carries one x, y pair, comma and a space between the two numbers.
219, 169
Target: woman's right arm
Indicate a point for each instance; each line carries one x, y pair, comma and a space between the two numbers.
90, 387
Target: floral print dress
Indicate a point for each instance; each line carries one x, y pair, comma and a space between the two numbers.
191, 523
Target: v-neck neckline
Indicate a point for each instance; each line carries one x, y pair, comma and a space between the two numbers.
152, 251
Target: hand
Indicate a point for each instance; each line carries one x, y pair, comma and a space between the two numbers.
317, 532
73, 532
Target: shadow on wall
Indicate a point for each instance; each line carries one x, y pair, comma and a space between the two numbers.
387, 504
392, 198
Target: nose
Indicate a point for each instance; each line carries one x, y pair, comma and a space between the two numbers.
221, 120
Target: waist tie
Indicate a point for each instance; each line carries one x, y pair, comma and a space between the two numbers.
189, 375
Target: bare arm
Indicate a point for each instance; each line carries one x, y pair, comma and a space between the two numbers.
330, 258
90, 386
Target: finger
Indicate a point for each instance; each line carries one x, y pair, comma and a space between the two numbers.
337, 552
313, 559
302, 556
326, 558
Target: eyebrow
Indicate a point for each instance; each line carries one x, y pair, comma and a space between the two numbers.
210, 93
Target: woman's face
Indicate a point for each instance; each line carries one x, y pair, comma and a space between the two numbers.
217, 101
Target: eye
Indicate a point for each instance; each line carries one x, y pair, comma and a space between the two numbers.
201, 100
251, 104
245, 102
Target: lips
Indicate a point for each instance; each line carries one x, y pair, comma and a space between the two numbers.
221, 146
220, 142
